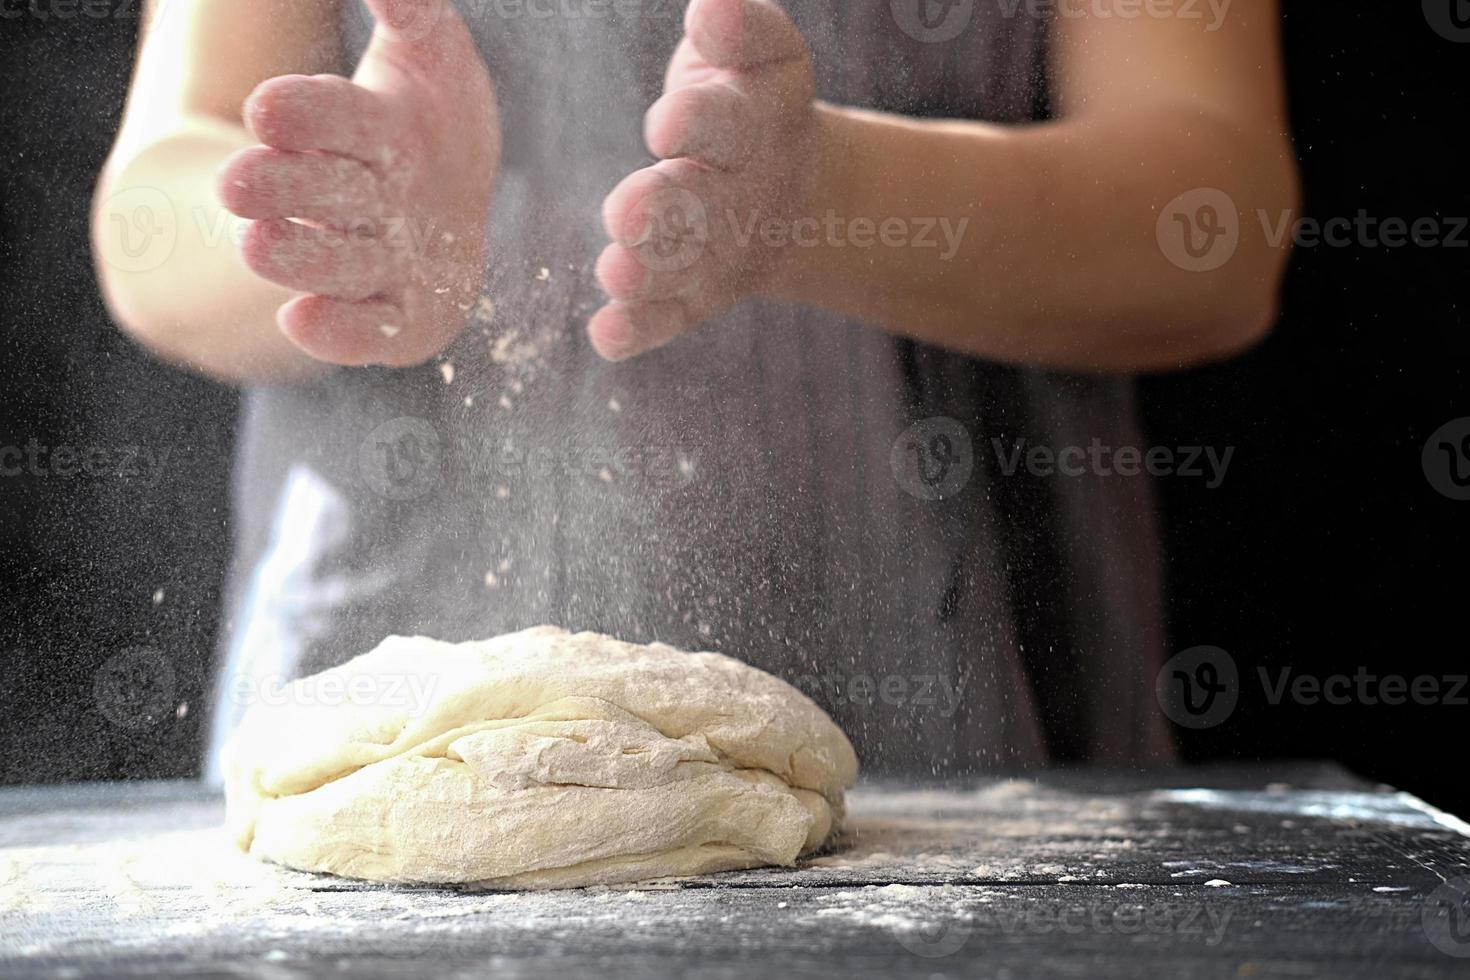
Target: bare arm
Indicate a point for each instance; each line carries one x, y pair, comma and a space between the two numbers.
1056, 258
1062, 265
256, 222
175, 278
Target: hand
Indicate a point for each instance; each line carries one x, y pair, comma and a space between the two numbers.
370, 196
735, 132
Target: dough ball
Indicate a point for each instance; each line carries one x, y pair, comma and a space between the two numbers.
537, 759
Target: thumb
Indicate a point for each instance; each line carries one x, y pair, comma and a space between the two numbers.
406, 22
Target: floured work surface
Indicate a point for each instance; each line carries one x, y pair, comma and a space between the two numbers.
1218, 872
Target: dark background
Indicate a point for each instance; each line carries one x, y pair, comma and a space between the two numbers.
1326, 549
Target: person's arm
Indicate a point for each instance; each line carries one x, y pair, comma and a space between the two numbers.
256, 223
1055, 255
163, 245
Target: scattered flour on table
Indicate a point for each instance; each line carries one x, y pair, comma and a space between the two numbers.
902, 908
183, 886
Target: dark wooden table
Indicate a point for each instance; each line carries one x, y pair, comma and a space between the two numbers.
1293, 872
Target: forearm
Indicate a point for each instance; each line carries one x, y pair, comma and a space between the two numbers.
165, 249
167, 257
1038, 245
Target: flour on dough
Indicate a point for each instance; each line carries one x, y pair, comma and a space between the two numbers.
537, 759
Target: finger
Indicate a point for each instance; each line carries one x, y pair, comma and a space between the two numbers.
620, 274
709, 122
320, 112
351, 334
742, 34
263, 182
620, 331
344, 265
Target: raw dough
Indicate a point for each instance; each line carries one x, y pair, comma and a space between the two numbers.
536, 759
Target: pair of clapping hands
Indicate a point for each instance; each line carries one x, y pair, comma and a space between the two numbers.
412, 142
